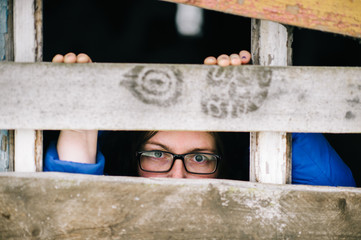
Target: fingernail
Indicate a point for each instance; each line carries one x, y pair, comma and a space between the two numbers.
244, 57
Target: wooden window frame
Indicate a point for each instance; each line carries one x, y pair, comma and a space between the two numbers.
59, 205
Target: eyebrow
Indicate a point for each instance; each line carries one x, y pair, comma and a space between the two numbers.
157, 144
192, 150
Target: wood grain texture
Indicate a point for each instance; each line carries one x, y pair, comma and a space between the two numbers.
25, 150
11, 150
4, 151
146, 97
342, 17
271, 43
6, 54
270, 152
39, 150
270, 157
5, 30
28, 48
38, 19
24, 31
65, 206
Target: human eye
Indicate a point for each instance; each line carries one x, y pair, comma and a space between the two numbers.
204, 163
155, 161
200, 158
154, 154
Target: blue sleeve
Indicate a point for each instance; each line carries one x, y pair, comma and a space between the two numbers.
315, 162
52, 163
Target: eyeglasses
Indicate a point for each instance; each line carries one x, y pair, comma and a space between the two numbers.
161, 162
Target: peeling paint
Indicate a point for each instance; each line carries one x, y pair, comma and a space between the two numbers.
293, 9
342, 17
4, 154
3, 27
4, 143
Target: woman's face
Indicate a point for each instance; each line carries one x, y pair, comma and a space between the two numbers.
180, 143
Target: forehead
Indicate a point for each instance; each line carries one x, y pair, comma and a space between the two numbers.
182, 142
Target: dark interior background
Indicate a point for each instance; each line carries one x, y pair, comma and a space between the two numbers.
145, 31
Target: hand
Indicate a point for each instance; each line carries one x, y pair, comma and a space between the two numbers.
72, 58
234, 59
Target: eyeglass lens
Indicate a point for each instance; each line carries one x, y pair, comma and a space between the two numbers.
158, 161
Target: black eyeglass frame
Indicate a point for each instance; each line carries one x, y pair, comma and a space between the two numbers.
175, 157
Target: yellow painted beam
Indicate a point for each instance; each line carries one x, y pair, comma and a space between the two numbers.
337, 16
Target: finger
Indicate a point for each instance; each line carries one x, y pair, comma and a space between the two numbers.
245, 56
83, 58
58, 58
235, 59
210, 61
70, 58
223, 60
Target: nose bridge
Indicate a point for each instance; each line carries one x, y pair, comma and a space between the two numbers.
178, 156
178, 170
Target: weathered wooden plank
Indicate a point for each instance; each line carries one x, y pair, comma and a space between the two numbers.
343, 17
6, 35
38, 19
4, 151
25, 151
270, 155
64, 206
24, 31
38, 150
271, 43
38, 16
6, 54
27, 48
11, 150
128, 96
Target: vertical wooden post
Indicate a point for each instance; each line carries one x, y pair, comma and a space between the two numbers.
270, 158
6, 54
38, 15
28, 48
4, 151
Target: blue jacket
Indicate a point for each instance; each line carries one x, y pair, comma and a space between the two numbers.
314, 162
